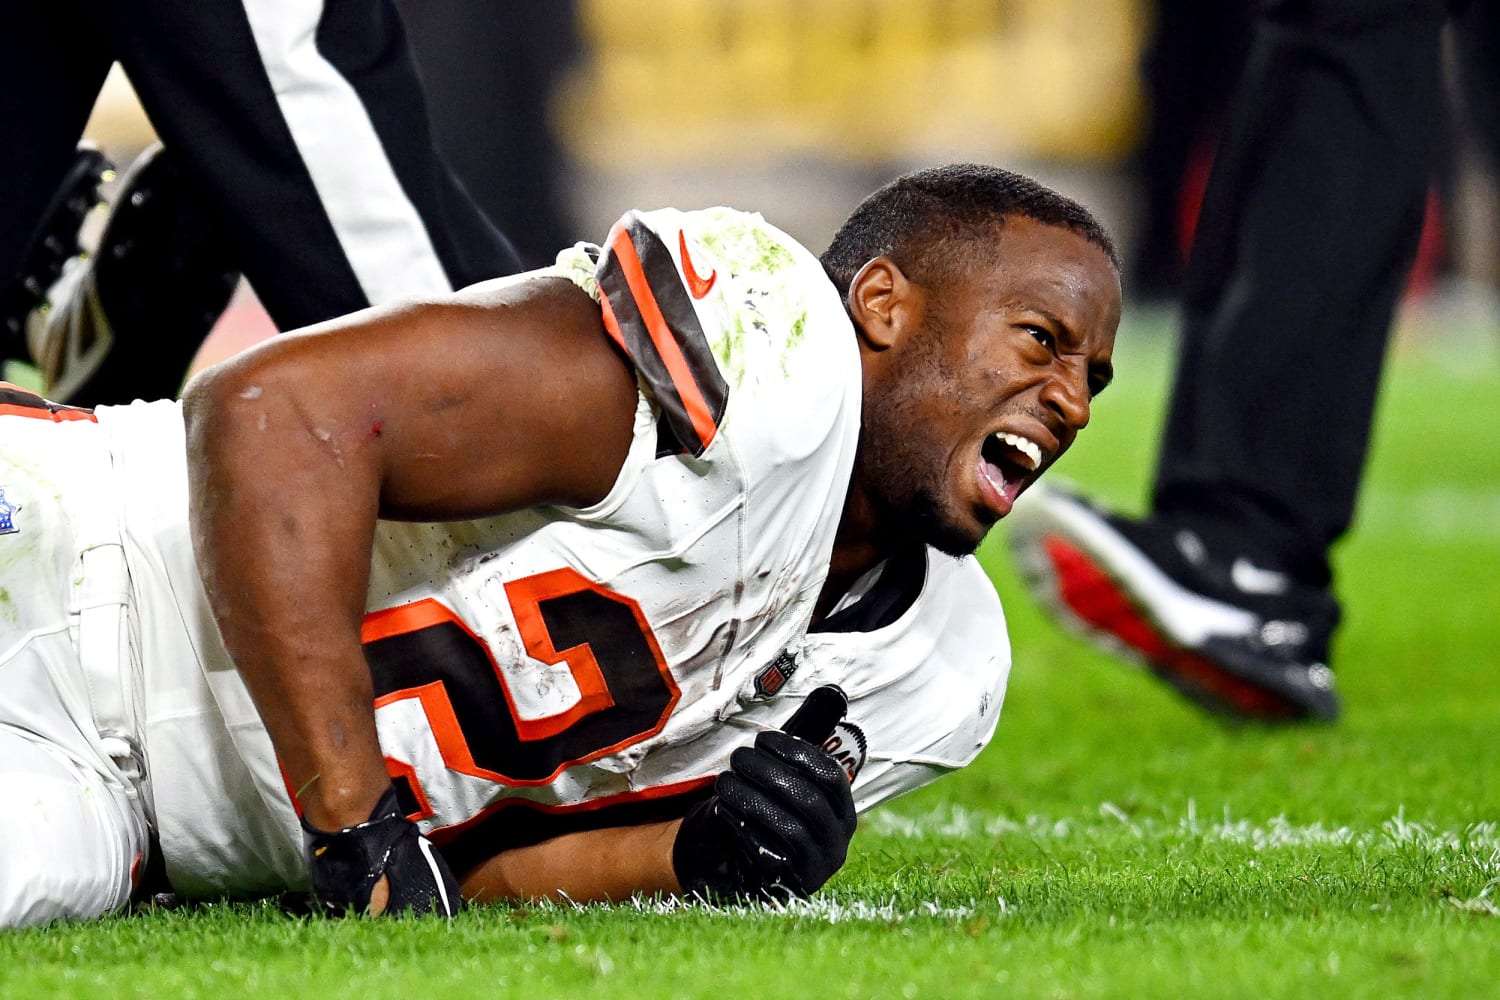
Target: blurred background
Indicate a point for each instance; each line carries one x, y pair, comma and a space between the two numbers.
561, 115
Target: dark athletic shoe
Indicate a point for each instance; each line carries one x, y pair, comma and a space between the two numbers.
52, 246
1237, 639
127, 322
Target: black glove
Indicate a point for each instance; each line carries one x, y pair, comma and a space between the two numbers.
346, 866
780, 819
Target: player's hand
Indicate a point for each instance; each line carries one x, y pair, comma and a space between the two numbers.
383, 865
779, 822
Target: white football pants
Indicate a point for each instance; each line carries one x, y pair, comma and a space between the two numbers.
69, 840
71, 824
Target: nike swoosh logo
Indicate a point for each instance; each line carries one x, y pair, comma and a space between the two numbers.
1251, 579
698, 285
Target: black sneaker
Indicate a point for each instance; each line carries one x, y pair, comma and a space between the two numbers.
52, 246
1237, 639
127, 322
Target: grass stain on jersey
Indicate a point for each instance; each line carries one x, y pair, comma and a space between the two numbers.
772, 310
742, 241
729, 348
799, 330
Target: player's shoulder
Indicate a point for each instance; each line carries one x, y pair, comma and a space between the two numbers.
930, 624
760, 295
744, 244
926, 664
945, 614
717, 303
699, 248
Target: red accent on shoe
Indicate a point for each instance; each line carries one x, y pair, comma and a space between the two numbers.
1098, 601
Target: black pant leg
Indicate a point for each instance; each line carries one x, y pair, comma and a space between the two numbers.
1477, 37
307, 128
53, 59
1307, 233
1188, 71
491, 70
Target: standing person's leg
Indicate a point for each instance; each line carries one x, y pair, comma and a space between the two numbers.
491, 70
53, 60
1477, 36
304, 124
1188, 72
1308, 231
298, 149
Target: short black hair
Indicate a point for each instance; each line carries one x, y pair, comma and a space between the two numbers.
932, 221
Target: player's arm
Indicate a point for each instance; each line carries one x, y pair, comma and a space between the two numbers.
604, 865
507, 396
777, 824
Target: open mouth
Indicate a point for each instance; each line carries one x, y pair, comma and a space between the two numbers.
1009, 461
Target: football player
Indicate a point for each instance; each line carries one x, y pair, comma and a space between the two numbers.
510, 594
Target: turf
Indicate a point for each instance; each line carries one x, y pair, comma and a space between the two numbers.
1111, 842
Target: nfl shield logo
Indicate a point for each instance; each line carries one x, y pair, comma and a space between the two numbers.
7, 516
772, 677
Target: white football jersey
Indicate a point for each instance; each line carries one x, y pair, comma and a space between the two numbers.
561, 667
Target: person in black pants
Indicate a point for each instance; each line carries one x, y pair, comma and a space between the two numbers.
1308, 229
1188, 72
490, 71
299, 131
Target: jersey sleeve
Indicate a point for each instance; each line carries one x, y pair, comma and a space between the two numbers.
713, 305
648, 310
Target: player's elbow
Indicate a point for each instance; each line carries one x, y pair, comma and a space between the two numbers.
204, 404
240, 403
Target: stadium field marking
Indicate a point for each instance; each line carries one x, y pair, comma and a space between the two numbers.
1484, 903
961, 823
823, 908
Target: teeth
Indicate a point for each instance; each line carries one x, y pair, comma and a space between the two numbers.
1025, 446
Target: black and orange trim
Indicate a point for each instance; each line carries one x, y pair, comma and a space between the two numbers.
18, 402
649, 312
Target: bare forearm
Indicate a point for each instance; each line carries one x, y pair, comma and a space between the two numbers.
276, 506
590, 866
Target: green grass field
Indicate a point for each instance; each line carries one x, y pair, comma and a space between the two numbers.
1110, 842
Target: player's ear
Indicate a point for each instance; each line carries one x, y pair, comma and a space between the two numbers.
883, 302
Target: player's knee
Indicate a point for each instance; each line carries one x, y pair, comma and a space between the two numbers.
64, 851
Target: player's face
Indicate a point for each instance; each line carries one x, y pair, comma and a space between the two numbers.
987, 385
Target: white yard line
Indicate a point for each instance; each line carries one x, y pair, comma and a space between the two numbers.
1277, 831
826, 909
